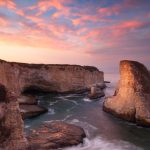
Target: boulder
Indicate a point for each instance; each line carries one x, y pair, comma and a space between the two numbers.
132, 97
29, 111
54, 135
96, 93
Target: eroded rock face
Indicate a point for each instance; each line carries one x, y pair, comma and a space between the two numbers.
30, 111
132, 97
54, 135
96, 93
21, 77
11, 124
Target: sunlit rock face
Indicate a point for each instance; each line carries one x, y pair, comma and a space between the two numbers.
21, 77
132, 97
11, 124
55, 135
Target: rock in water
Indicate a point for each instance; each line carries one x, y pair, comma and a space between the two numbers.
29, 107
96, 93
29, 111
56, 134
11, 124
132, 97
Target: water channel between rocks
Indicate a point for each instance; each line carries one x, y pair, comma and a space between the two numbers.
104, 132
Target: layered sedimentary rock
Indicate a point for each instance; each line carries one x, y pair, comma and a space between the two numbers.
132, 97
29, 106
29, 111
56, 135
11, 124
20, 77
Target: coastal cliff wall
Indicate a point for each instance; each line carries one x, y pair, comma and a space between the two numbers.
19, 77
11, 124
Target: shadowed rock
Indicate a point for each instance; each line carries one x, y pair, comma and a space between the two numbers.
55, 135
29, 111
132, 97
27, 100
11, 124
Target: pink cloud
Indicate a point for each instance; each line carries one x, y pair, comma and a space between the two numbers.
3, 21
128, 26
44, 5
84, 18
118, 8
8, 4
108, 11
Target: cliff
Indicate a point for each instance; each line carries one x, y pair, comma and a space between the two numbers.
132, 97
11, 124
20, 77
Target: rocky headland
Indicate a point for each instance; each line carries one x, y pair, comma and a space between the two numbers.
21, 77
131, 100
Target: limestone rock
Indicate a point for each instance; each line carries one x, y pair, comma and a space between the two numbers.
96, 93
29, 111
55, 135
132, 97
21, 77
27, 100
11, 124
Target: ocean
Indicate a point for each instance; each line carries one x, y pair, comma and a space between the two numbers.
104, 131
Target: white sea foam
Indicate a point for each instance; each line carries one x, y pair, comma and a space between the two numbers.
51, 111
87, 100
100, 144
68, 116
64, 98
27, 126
72, 95
68, 110
53, 103
83, 124
88, 128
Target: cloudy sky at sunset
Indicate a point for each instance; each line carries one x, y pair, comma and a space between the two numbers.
84, 32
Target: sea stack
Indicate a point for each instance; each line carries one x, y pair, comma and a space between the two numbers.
131, 100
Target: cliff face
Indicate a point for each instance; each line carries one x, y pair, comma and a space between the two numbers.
132, 97
11, 124
50, 78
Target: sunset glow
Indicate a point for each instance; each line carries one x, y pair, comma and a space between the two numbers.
84, 32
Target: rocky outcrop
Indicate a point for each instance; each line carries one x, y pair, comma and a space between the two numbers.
27, 100
56, 135
20, 77
132, 97
29, 106
96, 93
11, 124
29, 111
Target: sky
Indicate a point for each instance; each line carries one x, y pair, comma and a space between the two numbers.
85, 32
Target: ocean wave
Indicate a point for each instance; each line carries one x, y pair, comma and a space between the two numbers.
27, 126
51, 111
87, 100
100, 144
